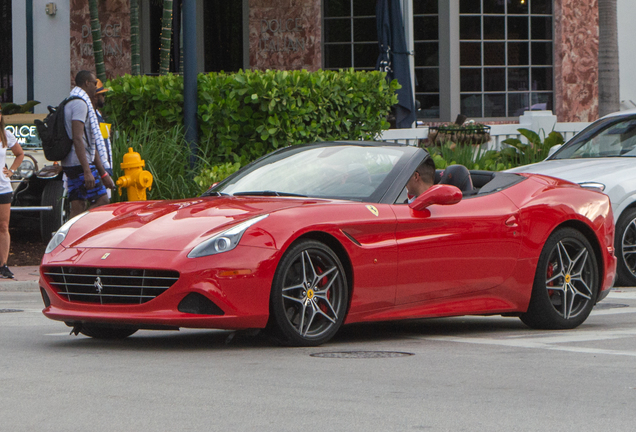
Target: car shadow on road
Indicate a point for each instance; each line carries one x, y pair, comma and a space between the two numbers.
185, 340
455, 326
188, 340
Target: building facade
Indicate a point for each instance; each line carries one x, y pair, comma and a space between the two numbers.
487, 59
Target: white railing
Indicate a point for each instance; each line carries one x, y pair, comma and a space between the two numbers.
404, 136
541, 122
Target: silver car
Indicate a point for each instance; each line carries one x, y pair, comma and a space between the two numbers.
603, 156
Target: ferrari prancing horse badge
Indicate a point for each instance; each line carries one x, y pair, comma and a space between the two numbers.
373, 210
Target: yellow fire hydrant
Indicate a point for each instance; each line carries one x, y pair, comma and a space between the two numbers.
135, 179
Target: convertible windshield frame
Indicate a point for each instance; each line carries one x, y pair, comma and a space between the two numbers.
593, 131
299, 169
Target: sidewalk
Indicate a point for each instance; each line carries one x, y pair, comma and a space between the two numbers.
26, 279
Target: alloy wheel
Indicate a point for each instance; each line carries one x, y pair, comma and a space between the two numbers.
569, 278
628, 243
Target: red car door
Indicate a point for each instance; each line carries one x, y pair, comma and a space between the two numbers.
455, 249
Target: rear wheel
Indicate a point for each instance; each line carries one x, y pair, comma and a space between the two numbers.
625, 245
50, 221
309, 295
566, 282
98, 331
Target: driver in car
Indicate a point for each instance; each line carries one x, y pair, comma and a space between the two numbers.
422, 179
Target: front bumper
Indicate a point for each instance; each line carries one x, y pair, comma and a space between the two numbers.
243, 298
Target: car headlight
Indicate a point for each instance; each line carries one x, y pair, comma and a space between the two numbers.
593, 185
60, 235
224, 241
26, 169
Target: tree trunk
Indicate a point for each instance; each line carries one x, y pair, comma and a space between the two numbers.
166, 37
608, 76
96, 30
134, 37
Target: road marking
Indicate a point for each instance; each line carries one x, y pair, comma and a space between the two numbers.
631, 294
533, 345
614, 311
550, 342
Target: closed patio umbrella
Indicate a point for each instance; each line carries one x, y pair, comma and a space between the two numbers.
393, 58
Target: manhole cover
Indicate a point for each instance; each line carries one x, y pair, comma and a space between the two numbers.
10, 310
362, 354
610, 305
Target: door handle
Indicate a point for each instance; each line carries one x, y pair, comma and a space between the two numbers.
512, 222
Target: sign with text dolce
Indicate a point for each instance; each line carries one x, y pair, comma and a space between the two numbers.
111, 40
282, 35
26, 134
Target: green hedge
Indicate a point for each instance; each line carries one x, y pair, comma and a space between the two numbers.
247, 114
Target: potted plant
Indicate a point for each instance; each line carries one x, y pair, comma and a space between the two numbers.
465, 133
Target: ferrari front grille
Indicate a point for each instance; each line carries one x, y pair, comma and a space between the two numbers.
109, 285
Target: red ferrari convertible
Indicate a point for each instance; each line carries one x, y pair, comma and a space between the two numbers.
312, 237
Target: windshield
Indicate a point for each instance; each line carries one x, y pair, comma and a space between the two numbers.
610, 138
351, 172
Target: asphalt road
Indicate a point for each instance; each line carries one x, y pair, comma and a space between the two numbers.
454, 374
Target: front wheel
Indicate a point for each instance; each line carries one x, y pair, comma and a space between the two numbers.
566, 282
625, 246
50, 221
309, 295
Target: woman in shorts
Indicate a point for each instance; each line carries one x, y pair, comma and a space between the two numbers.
7, 141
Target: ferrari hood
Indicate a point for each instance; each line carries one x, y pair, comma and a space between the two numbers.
603, 170
169, 225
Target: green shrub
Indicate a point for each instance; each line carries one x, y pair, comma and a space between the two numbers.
167, 157
535, 150
514, 154
215, 174
9, 108
245, 115
134, 100
249, 114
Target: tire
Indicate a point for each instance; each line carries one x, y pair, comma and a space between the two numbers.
309, 296
50, 221
625, 246
566, 282
97, 331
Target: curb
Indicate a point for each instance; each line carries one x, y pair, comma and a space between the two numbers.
26, 279
20, 286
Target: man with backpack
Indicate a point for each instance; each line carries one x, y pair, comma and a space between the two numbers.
87, 178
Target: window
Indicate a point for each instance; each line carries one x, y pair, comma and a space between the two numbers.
351, 40
350, 34
505, 53
223, 35
426, 57
506, 59
6, 52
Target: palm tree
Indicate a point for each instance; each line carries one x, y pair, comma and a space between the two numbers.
134, 37
166, 38
97, 41
608, 76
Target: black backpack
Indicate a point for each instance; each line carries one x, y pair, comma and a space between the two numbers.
55, 141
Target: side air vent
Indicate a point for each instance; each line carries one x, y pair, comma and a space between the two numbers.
195, 303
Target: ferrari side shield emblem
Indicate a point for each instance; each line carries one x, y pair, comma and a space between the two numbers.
105, 255
373, 210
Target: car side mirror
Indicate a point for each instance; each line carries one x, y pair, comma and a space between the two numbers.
437, 194
554, 149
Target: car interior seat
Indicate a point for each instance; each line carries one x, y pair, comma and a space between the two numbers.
459, 176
